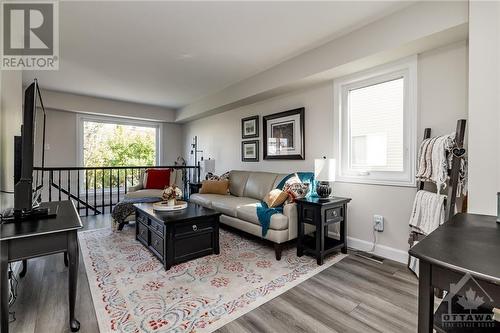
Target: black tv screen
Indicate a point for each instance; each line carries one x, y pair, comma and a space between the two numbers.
28, 188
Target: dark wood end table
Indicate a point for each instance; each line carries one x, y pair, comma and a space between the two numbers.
36, 238
178, 236
194, 188
321, 213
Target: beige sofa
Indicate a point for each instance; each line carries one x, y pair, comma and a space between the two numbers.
247, 189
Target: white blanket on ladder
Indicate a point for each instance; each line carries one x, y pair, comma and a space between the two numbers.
428, 212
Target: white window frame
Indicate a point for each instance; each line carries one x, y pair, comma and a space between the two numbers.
81, 118
405, 68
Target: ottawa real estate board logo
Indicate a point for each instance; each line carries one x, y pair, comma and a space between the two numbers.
30, 35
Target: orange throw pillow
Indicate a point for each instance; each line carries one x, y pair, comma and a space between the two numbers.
275, 198
214, 186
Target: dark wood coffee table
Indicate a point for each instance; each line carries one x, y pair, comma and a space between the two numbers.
178, 236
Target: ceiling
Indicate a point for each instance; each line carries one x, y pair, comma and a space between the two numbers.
171, 54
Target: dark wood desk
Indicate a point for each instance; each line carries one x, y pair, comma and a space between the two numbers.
30, 239
467, 244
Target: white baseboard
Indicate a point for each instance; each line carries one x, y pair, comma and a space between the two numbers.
380, 250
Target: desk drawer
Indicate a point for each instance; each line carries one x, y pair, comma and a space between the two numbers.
157, 243
142, 233
156, 226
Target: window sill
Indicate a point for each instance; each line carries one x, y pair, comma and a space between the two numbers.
397, 183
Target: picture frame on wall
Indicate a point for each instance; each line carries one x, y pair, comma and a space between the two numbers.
250, 127
250, 151
284, 137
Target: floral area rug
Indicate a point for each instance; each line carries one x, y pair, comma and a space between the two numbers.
132, 292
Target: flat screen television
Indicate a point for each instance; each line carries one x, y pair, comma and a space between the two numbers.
29, 152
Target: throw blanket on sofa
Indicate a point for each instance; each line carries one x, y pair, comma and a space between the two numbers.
125, 208
264, 213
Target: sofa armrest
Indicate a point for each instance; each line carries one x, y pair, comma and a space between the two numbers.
290, 211
135, 188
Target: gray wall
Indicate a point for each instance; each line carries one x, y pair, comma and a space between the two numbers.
442, 100
61, 139
10, 125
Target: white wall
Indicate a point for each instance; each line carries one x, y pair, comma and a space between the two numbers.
484, 106
394, 36
442, 100
10, 125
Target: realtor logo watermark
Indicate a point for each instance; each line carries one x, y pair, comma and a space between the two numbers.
468, 296
30, 35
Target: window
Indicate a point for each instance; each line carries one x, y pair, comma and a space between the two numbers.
377, 120
105, 141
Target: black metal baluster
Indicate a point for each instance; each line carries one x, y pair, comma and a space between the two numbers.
59, 184
102, 192
86, 193
51, 181
126, 181
41, 191
132, 183
95, 191
110, 190
78, 190
118, 186
69, 184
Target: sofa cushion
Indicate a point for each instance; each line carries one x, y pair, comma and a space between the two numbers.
229, 204
237, 182
146, 193
249, 213
205, 200
259, 184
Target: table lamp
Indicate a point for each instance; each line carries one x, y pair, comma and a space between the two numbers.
208, 166
324, 172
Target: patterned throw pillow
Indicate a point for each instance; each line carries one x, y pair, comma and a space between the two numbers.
295, 189
211, 176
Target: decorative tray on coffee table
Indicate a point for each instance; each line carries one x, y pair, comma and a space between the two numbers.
164, 207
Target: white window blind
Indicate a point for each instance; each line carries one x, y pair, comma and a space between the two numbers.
376, 126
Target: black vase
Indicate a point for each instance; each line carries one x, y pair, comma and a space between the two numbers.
323, 189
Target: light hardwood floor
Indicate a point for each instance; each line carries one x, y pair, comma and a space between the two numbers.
354, 295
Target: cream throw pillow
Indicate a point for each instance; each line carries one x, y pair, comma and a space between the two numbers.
275, 198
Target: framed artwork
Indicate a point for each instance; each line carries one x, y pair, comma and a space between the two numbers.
250, 127
284, 135
250, 151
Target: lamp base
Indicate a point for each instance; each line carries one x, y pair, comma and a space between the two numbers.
323, 189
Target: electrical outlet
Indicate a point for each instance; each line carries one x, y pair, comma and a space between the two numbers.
378, 223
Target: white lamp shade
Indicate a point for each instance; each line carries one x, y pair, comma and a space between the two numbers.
324, 169
208, 166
